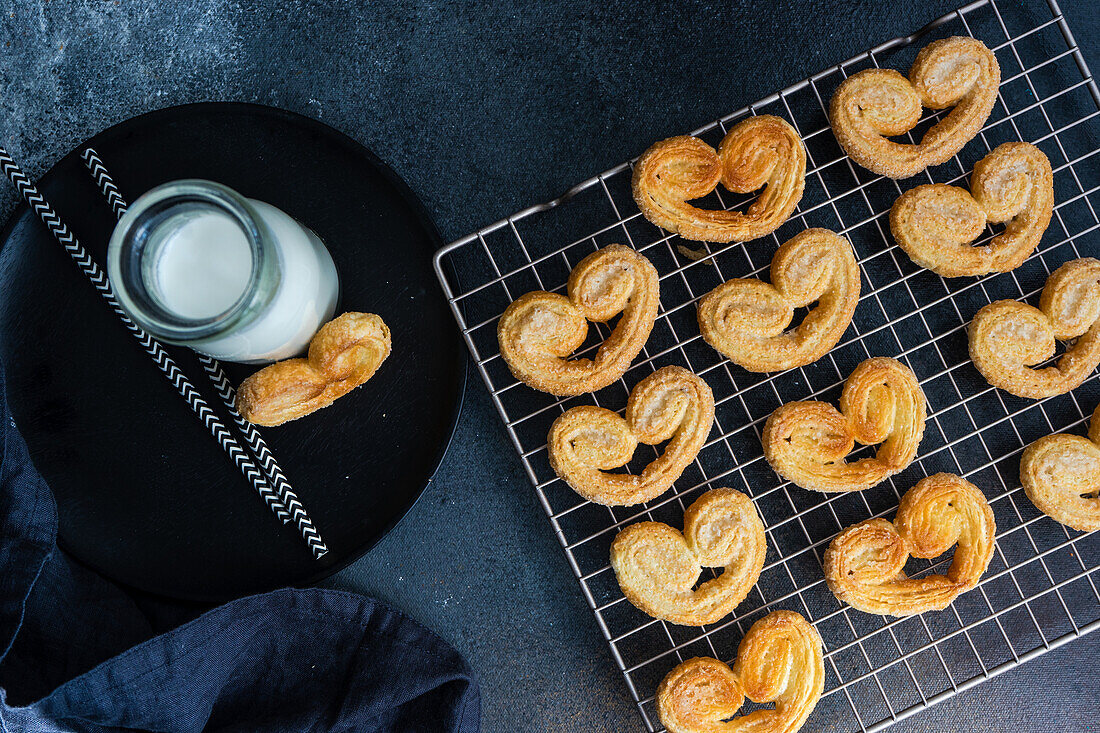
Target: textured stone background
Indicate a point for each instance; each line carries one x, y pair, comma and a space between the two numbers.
484, 111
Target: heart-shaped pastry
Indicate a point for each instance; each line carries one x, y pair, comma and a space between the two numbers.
539, 331
865, 564
343, 354
779, 660
746, 319
1061, 476
882, 402
1008, 338
873, 104
936, 223
763, 151
586, 442
657, 567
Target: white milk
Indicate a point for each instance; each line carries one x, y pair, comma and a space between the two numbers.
304, 300
197, 264
202, 265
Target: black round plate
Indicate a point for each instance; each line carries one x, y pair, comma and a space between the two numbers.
144, 493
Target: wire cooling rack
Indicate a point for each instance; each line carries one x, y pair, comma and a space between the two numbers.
1040, 590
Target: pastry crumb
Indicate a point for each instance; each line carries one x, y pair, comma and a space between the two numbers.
692, 254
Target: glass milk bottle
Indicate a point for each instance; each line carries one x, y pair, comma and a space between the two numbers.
195, 263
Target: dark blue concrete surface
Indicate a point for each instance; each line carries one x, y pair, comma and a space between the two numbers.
484, 111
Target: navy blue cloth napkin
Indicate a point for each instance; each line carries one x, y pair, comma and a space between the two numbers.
77, 653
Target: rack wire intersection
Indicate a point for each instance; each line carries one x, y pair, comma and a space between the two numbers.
1040, 590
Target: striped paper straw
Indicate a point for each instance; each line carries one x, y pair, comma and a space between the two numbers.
211, 366
167, 365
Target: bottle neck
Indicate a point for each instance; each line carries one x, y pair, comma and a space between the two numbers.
192, 260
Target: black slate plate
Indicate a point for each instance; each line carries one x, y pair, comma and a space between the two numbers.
144, 494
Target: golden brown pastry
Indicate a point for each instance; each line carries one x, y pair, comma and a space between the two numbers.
657, 567
935, 223
806, 442
865, 564
343, 354
1008, 337
871, 105
1061, 476
539, 331
763, 151
746, 319
587, 441
780, 660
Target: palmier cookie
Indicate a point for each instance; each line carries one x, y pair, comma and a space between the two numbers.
936, 223
873, 104
584, 442
1008, 337
780, 660
763, 151
746, 319
539, 331
657, 567
806, 442
343, 354
865, 564
1061, 476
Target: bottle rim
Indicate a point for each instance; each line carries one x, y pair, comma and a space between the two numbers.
128, 247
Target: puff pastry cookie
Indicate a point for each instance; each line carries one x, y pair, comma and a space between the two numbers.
806, 442
935, 223
1061, 476
780, 660
871, 105
539, 331
763, 151
865, 564
587, 441
657, 567
1008, 337
343, 354
746, 319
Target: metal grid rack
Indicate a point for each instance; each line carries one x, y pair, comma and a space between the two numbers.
1040, 590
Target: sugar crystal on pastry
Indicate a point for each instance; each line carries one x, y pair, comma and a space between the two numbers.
1010, 340
1061, 476
807, 442
865, 563
779, 660
935, 224
874, 104
343, 355
746, 319
658, 567
587, 442
759, 152
539, 331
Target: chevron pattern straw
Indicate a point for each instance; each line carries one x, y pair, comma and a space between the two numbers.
153, 347
212, 367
